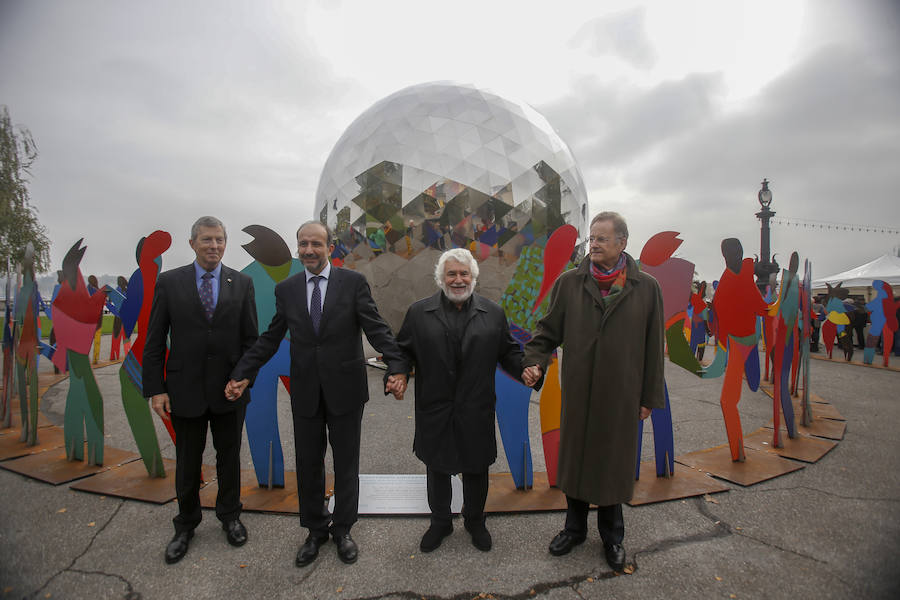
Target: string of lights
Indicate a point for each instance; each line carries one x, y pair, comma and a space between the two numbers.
830, 226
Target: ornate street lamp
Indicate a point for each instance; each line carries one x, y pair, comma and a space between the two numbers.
764, 268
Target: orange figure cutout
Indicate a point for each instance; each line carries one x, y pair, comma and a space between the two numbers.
737, 304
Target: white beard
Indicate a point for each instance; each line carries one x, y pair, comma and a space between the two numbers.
457, 296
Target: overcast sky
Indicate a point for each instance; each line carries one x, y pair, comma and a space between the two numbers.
149, 114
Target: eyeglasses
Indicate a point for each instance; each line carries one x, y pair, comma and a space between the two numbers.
603, 239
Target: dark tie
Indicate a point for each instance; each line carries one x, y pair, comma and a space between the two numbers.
315, 304
206, 296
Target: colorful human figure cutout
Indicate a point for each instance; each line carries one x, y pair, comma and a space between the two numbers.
806, 316
524, 304
836, 319
785, 312
93, 286
737, 304
272, 264
698, 314
6, 392
883, 315
75, 315
118, 332
27, 334
134, 310
674, 276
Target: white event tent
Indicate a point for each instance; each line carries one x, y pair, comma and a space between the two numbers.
885, 268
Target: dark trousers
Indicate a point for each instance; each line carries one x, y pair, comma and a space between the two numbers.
610, 522
190, 442
310, 436
440, 493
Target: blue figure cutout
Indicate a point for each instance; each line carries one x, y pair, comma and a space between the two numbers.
272, 264
513, 399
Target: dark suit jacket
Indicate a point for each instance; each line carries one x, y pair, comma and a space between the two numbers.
333, 360
455, 399
201, 353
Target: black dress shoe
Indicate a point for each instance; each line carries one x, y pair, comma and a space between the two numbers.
481, 537
235, 532
615, 556
564, 542
347, 550
178, 547
310, 549
435, 535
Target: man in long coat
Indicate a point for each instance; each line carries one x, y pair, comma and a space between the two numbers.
608, 316
455, 339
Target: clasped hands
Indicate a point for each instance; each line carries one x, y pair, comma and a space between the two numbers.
531, 375
235, 389
396, 385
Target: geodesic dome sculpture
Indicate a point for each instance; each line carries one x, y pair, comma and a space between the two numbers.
442, 165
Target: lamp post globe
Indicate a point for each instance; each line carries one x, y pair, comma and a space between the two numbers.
764, 268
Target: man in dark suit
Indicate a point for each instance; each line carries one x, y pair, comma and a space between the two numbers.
324, 308
208, 312
455, 338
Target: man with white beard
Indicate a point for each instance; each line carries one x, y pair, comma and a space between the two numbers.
454, 339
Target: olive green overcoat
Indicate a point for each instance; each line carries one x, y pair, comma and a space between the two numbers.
612, 365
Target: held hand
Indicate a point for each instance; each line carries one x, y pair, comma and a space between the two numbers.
645, 412
531, 375
396, 385
235, 389
160, 405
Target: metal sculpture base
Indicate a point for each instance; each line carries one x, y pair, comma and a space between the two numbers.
685, 483
803, 447
503, 496
758, 466
257, 498
824, 428
53, 467
49, 438
132, 482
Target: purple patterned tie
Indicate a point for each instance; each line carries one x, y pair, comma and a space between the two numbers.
315, 304
206, 296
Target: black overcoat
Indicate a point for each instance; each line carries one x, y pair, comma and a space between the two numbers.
455, 402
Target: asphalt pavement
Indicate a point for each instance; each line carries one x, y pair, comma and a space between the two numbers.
829, 530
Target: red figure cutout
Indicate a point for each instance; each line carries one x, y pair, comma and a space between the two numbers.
557, 253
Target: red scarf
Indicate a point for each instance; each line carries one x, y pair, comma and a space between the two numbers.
610, 282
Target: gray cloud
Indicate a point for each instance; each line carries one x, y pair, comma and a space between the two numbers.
826, 133
609, 126
143, 121
622, 35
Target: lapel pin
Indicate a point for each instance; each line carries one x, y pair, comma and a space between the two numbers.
228, 280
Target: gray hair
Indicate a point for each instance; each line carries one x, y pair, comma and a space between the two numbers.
206, 221
329, 236
618, 222
460, 255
